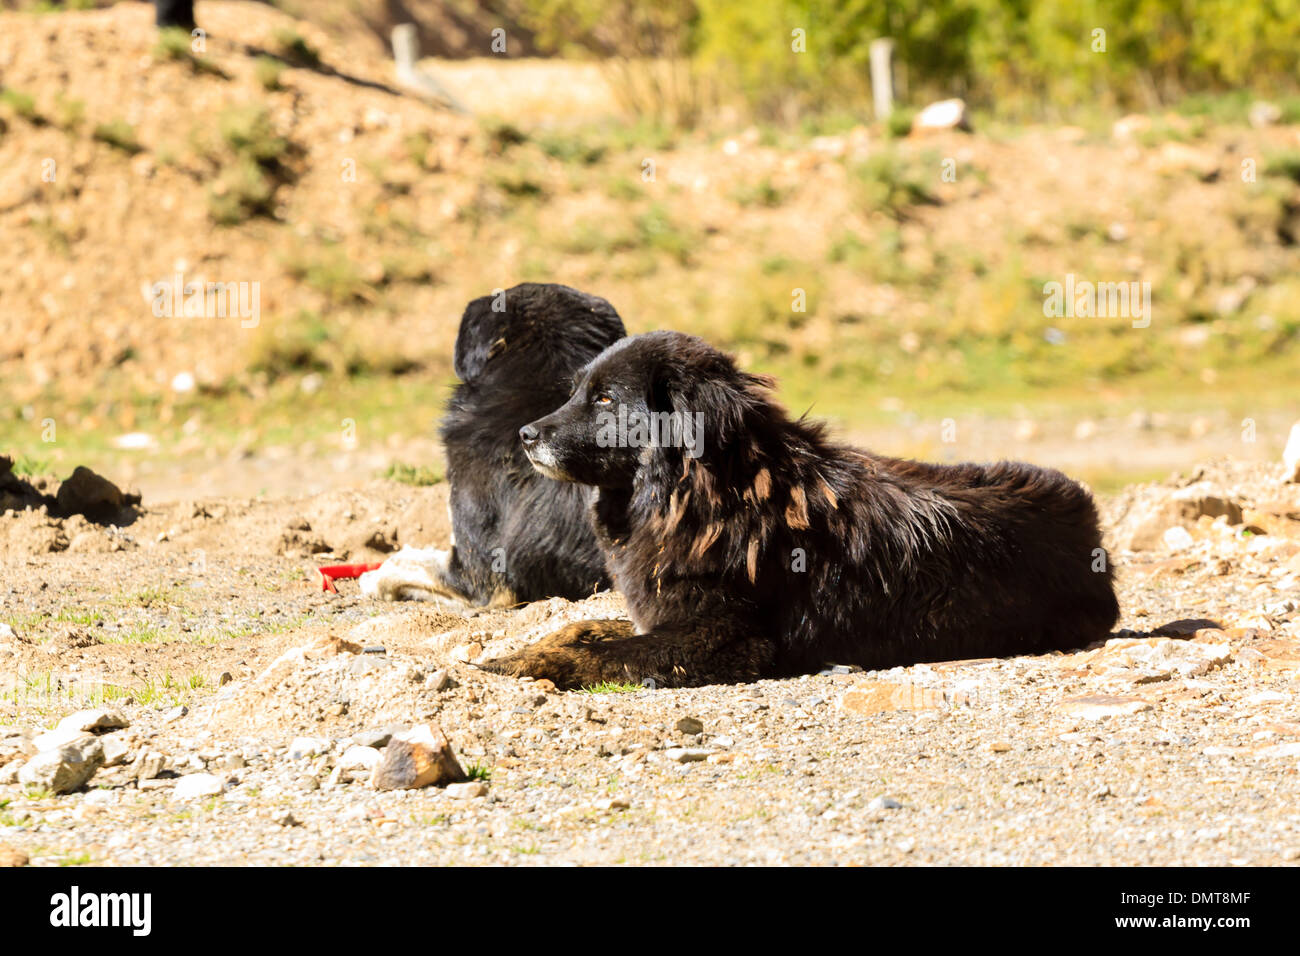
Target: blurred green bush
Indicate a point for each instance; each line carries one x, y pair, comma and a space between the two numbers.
1016, 57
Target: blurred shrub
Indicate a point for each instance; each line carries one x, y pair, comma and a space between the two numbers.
787, 57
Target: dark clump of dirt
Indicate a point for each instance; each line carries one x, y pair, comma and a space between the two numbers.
84, 493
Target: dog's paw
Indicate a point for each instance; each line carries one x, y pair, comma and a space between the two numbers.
572, 657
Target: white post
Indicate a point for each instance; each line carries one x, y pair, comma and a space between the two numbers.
882, 78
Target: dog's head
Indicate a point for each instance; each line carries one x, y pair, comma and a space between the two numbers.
543, 325
659, 397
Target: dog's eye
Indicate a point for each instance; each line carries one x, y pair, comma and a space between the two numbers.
601, 399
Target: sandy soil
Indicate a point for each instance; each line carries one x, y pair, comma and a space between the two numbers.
1174, 743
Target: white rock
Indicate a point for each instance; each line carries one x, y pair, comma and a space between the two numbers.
7, 633
687, 754
1291, 749
466, 791
302, 747
945, 114
115, 750
60, 737
198, 785
64, 769
1291, 456
1177, 538
95, 720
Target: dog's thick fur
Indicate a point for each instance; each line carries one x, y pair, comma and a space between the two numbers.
518, 536
776, 552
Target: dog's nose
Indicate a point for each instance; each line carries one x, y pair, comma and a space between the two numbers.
528, 434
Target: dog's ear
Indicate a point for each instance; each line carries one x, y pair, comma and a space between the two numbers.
481, 336
721, 398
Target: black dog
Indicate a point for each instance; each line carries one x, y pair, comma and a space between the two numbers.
517, 536
748, 545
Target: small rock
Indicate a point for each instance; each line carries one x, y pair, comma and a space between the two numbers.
1177, 538
148, 765
356, 762
417, 758
466, 791
115, 750
303, 747
175, 714
1000, 747
96, 721
12, 856
690, 726
64, 769
1291, 456
439, 681
7, 633
225, 678
467, 652
376, 737
613, 803
1097, 706
879, 697
285, 818
1263, 113
884, 803
54, 739
197, 785
687, 754
945, 114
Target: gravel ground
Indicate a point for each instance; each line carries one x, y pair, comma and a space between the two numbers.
247, 694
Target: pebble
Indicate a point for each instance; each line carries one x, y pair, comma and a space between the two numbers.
687, 754
690, 726
94, 721
302, 747
466, 791
196, 785
175, 714
884, 803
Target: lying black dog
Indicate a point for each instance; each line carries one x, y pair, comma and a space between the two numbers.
749, 546
517, 536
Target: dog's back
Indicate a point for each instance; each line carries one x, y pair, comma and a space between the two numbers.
519, 536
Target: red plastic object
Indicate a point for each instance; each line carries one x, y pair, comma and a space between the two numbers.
328, 574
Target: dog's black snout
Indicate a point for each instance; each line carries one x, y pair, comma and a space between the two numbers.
528, 434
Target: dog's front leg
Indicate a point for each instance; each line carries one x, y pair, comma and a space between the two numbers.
588, 653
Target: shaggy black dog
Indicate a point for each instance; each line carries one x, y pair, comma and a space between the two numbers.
748, 545
517, 536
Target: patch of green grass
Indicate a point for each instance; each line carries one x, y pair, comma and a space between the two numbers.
891, 183
169, 689
658, 230
1284, 164
334, 274
612, 687
418, 475
572, 147
479, 771
119, 134
174, 46
31, 466
20, 104
269, 73
899, 123
762, 193
140, 634
292, 46
69, 113
75, 859
253, 168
